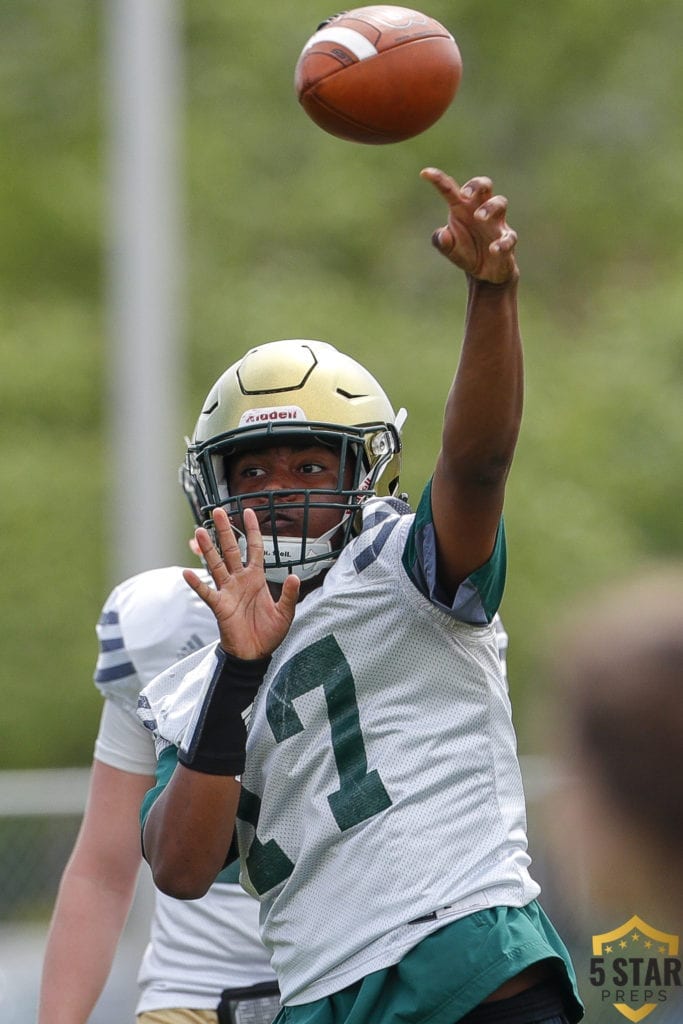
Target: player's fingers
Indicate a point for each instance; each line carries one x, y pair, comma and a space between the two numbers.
212, 558
191, 578
232, 558
200, 587
492, 213
204, 543
477, 190
505, 242
492, 210
216, 566
252, 532
447, 186
289, 596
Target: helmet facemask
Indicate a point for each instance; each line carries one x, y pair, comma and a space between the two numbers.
369, 450
296, 392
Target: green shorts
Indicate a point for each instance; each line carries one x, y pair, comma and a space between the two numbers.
449, 973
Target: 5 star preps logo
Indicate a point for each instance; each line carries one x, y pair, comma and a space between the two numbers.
636, 967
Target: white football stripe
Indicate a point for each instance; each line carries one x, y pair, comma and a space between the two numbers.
354, 41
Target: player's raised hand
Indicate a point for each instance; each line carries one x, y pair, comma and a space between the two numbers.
251, 623
477, 237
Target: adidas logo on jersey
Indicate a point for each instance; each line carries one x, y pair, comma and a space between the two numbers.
195, 643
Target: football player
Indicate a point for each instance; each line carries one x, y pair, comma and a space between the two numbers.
376, 794
201, 953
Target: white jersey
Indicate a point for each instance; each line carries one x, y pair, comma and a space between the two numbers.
197, 948
382, 796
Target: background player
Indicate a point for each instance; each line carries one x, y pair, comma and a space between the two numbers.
197, 949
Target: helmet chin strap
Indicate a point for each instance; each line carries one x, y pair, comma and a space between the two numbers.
291, 551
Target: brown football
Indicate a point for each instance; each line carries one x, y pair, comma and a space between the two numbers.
378, 74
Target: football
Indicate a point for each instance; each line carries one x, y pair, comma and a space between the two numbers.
378, 74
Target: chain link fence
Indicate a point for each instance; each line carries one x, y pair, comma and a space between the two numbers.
40, 814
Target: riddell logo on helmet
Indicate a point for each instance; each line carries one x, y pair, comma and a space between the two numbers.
274, 414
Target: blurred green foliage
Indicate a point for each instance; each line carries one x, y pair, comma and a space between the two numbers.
575, 112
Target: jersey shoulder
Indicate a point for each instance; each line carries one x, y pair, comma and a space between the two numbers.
148, 622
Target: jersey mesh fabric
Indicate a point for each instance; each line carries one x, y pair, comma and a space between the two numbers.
198, 947
451, 972
382, 706
421, 793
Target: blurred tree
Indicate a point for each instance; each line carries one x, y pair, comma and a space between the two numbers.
574, 110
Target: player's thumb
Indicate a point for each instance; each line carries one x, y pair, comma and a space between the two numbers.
289, 596
443, 240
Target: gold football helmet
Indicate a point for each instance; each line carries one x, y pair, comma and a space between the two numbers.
295, 391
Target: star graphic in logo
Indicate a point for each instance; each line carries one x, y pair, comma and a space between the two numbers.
642, 969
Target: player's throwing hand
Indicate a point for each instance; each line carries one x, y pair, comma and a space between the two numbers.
477, 237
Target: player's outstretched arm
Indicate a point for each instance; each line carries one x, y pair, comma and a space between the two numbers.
484, 406
94, 897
